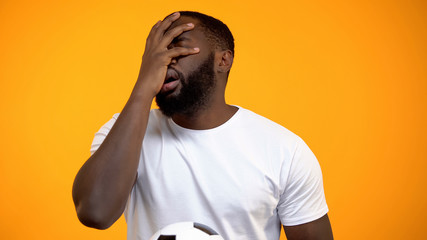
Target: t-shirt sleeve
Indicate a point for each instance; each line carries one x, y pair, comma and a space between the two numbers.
102, 134
303, 199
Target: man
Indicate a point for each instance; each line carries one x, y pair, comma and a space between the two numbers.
198, 158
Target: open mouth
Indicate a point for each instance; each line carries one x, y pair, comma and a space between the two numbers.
171, 75
171, 80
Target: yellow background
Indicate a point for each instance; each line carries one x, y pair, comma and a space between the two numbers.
349, 77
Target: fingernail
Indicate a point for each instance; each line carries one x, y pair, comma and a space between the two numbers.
175, 14
196, 49
190, 24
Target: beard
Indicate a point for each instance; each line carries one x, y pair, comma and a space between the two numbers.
194, 94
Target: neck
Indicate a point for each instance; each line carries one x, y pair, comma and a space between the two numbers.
214, 115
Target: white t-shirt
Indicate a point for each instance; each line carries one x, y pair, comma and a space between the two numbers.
243, 178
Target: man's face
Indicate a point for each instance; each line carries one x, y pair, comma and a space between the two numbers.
194, 93
193, 76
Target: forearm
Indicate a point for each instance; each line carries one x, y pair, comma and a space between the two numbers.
103, 184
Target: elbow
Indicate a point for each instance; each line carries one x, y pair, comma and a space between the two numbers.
96, 210
93, 218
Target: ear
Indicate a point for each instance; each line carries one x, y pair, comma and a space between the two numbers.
225, 61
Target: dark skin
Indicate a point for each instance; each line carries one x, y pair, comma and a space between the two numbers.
216, 112
103, 184
319, 229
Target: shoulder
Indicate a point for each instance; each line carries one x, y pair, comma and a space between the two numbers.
155, 118
266, 127
156, 114
108, 125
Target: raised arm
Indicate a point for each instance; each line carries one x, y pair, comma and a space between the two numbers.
102, 185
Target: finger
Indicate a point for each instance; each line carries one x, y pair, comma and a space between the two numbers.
181, 51
153, 29
175, 32
165, 24
156, 25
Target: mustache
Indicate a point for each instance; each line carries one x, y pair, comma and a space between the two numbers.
180, 74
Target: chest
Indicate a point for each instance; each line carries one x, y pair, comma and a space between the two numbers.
223, 177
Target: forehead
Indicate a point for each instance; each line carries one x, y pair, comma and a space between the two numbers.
197, 34
183, 20
197, 30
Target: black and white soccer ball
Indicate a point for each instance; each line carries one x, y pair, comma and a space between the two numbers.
186, 231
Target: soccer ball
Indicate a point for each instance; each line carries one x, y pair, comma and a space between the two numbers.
186, 231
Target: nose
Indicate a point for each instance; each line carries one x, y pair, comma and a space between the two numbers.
170, 46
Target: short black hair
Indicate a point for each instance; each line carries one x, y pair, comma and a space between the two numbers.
216, 31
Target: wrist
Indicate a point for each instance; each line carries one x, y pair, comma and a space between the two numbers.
143, 92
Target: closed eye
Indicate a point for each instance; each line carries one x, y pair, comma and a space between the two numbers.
180, 39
